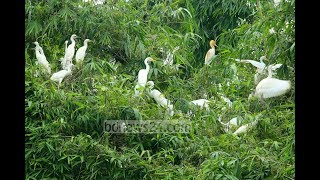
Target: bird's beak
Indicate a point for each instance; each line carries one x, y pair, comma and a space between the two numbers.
153, 60
34, 42
216, 45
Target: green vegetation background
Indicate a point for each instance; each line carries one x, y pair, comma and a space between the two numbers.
64, 138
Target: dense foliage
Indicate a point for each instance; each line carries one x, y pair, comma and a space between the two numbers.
64, 138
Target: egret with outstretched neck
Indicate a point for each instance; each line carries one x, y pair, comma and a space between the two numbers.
143, 76
70, 50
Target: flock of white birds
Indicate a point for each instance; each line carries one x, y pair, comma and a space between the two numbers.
265, 87
66, 61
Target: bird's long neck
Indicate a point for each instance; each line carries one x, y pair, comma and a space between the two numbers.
85, 44
73, 42
147, 66
261, 61
38, 50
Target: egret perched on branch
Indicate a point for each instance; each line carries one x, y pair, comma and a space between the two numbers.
42, 58
60, 75
211, 52
143, 76
70, 50
271, 87
81, 52
159, 97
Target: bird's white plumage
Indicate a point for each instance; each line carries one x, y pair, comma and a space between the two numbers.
271, 87
60, 75
211, 53
81, 52
159, 97
202, 103
259, 65
42, 60
233, 122
70, 50
64, 60
209, 56
143, 76
244, 128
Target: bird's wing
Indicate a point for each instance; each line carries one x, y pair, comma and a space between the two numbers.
273, 86
255, 63
81, 53
209, 55
277, 66
70, 52
142, 77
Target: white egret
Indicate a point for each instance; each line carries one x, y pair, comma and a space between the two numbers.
81, 52
42, 60
159, 97
143, 73
64, 60
70, 50
211, 52
202, 103
143, 77
60, 75
244, 128
271, 87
